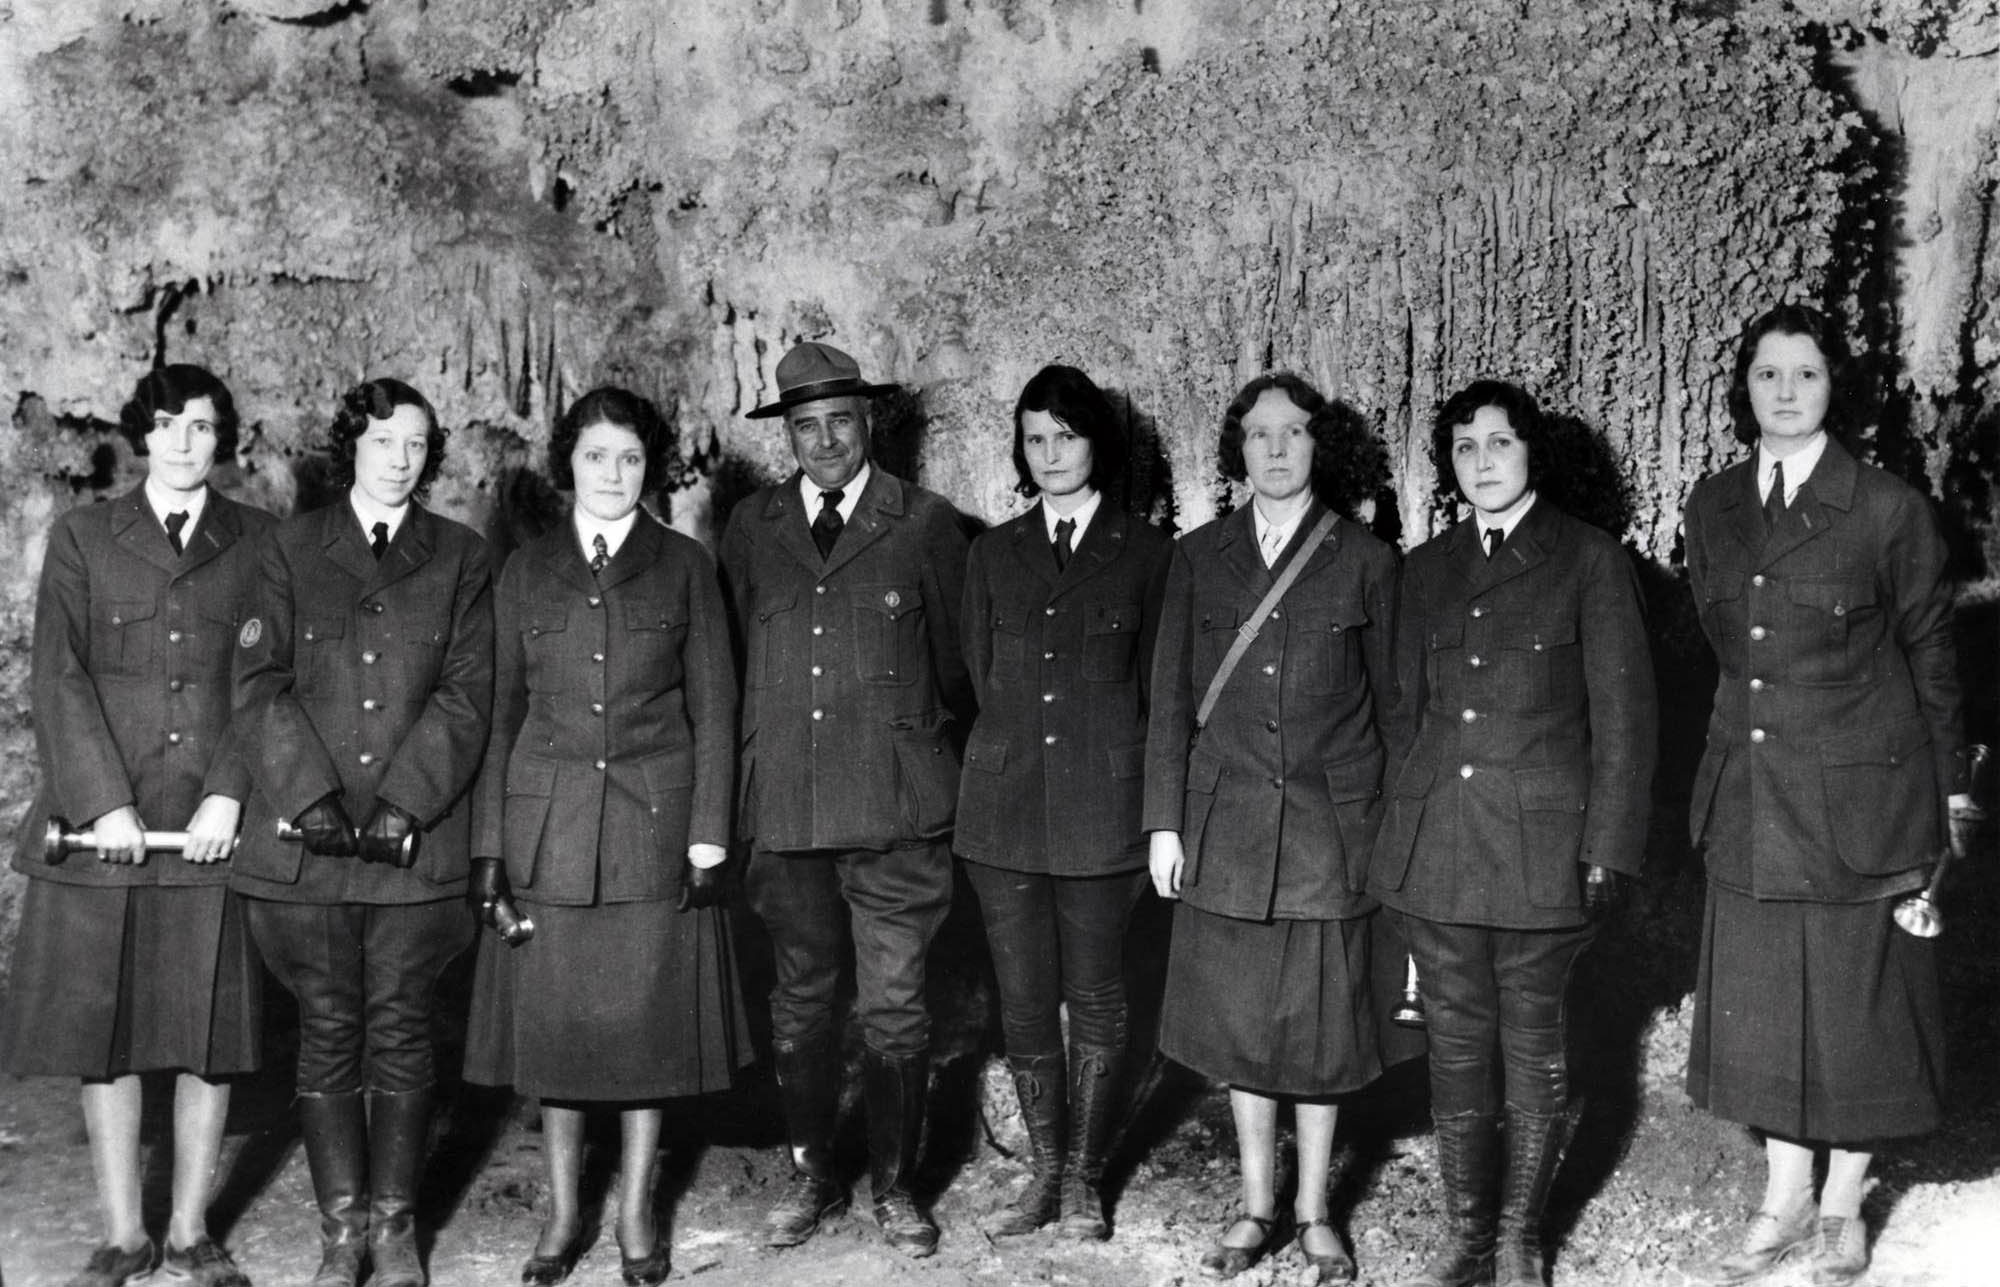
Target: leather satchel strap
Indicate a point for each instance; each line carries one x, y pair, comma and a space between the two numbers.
1246, 634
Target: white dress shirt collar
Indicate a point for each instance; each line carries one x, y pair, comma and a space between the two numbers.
1507, 520
614, 533
1798, 466
850, 495
370, 513
162, 503
1081, 516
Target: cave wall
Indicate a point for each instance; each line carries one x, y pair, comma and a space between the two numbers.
508, 201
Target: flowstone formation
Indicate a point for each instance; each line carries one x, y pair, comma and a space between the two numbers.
508, 201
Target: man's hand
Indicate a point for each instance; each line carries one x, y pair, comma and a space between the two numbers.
1604, 892
389, 836
326, 829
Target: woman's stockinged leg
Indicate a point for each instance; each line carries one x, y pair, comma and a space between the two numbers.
1788, 1178
111, 1119
638, 1164
562, 1150
1846, 1183
1256, 1118
201, 1107
1316, 1123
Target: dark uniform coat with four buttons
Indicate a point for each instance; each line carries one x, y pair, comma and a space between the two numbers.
372, 679
853, 675
614, 721
1526, 724
1833, 742
131, 677
1061, 662
1278, 799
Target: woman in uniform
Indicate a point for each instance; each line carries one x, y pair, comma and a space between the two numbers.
128, 962
1525, 739
1834, 752
1262, 810
604, 809
1061, 605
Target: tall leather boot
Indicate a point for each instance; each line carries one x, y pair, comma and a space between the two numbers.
398, 1139
1039, 1086
809, 1085
1468, 1147
896, 1087
1092, 1075
335, 1130
1535, 1145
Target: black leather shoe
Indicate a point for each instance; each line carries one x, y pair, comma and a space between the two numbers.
547, 1271
111, 1266
1225, 1261
807, 1202
644, 1271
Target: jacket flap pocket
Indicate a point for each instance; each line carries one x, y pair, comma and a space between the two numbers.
1835, 597
528, 775
1416, 778
315, 628
1128, 761
547, 619
1112, 619
1449, 633
1204, 771
1221, 617
1723, 585
222, 608
1551, 789
1891, 745
668, 771
123, 612
1358, 777
1539, 633
987, 754
1336, 618
771, 600
652, 614
891, 601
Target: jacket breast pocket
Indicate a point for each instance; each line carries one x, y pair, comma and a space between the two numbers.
121, 636
1215, 631
317, 652
1110, 642
655, 631
1838, 626
1882, 797
1542, 666
773, 617
888, 633
1007, 639
1724, 614
1331, 641
544, 638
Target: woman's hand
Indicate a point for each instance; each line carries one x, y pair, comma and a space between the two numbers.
211, 832
121, 837
701, 879
1603, 892
1165, 859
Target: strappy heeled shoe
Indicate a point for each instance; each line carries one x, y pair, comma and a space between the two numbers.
1334, 1266
1225, 1261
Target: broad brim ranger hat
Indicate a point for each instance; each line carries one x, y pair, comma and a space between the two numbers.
811, 371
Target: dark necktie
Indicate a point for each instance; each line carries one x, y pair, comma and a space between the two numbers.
601, 556
1065, 531
1774, 502
380, 543
1493, 538
826, 528
175, 522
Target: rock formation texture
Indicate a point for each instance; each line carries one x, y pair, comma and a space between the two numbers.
509, 201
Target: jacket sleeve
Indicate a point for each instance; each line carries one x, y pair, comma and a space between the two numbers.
944, 575
273, 731
1173, 705
711, 703
86, 773
975, 622
510, 709
1378, 646
1623, 712
1412, 678
441, 752
229, 771
1149, 616
1913, 561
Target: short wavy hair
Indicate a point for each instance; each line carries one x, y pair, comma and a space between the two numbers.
1791, 319
608, 404
1072, 398
377, 400
1229, 450
1570, 466
1524, 416
170, 389
1350, 466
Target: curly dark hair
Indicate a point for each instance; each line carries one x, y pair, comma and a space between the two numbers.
170, 389
1229, 451
608, 404
1524, 415
1074, 400
1791, 319
1569, 465
1350, 464
377, 400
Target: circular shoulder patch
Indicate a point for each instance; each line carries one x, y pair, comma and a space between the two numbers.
252, 631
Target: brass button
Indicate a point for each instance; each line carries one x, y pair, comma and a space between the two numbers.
597, 708
1465, 770
1758, 735
1479, 611
1050, 740
1475, 661
819, 589
1758, 632
1757, 579
173, 739
597, 656
1270, 726
819, 714
174, 685
1270, 669
600, 766
1048, 656
370, 657
818, 671
1468, 715
369, 704
173, 636
1047, 698
1756, 685
595, 600
366, 757
819, 630
1048, 612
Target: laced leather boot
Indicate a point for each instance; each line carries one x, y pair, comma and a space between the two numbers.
1468, 1147
1039, 1086
1535, 1146
1093, 1074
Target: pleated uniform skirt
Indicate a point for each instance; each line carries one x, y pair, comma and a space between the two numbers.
114, 980
614, 1002
1816, 1021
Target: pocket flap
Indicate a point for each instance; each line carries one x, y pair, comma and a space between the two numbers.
1539, 633
1835, 597
891, 601
987, 754
652, 614
316, 628
776, 599
1358, 777
1128, 761
1112, 619
1336, 618
1894, 744
1550, 790
548, 619
1223, 617
667, 771
1204, 771
528, 775
123, 612
1723, 585
1416, 778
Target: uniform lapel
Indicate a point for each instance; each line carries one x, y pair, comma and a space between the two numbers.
344, 543
1030, 548
139, 533
1742, 516
562, 557
1829, 486
791, 526
1101, 543
641, 547
220, 525
1236, 545
1525, 548
881, 502
409, 549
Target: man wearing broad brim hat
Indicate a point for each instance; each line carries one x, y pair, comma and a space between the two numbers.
844, 582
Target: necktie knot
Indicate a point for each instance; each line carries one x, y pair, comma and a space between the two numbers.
378, 543
1493, 538
1065, 541
826, 527
600, 553
175, 522
1774, 500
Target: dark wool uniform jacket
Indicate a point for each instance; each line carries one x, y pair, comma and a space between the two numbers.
1833, 744
1278, 800
371, 679
614, 718
131, 677
1061, 663
852, 671
1526, 725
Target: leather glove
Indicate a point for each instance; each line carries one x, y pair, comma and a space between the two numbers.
700, 886
1603, 892
489, 894
326, 829
390, 836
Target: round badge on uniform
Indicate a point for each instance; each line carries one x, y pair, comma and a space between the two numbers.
892, 599
252, 631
